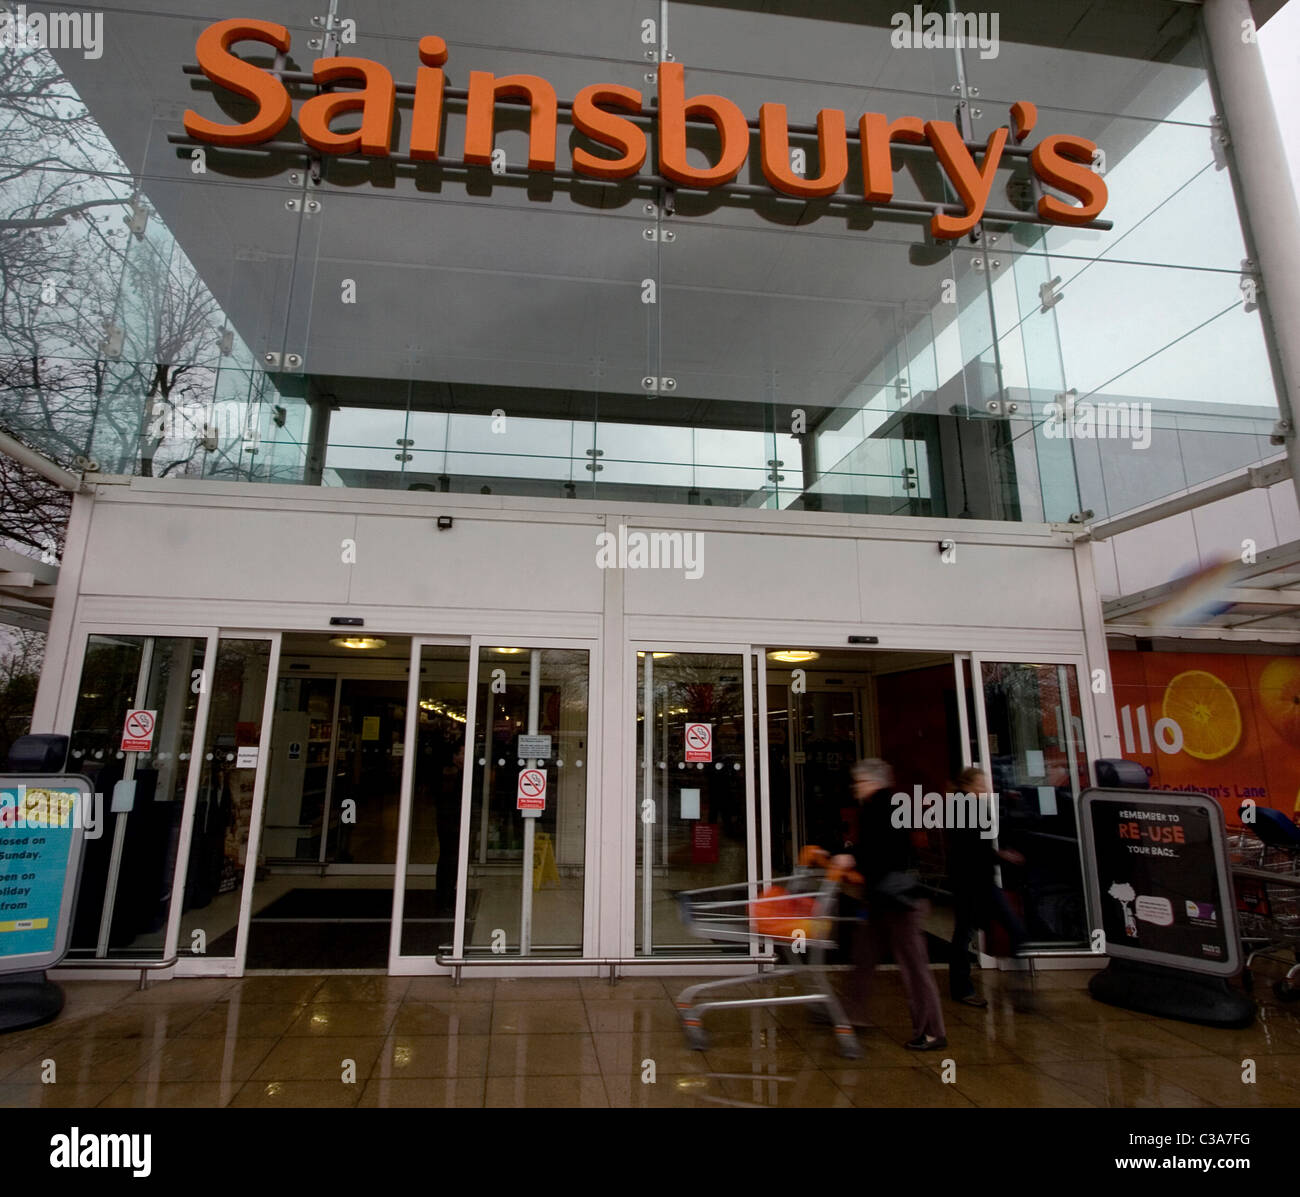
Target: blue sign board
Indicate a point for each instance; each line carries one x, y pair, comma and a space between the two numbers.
42, 831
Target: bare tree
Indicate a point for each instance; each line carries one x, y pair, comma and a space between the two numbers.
108, 336
21, 654
33, 511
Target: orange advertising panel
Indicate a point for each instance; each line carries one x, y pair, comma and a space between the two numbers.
1220, 725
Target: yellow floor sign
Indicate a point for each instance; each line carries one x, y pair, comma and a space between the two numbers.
544, 860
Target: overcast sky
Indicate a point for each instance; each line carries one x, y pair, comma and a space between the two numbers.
1279, 41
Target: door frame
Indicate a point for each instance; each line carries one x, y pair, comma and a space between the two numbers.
399, 965
203, 966
634, 782
1091, 739
66, 712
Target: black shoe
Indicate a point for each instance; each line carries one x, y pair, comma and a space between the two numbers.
972, 999
923, 1043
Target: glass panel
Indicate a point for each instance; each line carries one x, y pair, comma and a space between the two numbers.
224, 811
298, 782
364, 805
523, 691
433, 855
130, 867
697, 789
1039, 766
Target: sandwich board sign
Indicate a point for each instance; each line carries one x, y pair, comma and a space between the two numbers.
1159, 880
42, 834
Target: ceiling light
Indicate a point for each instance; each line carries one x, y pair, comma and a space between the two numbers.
793, 656
358, 642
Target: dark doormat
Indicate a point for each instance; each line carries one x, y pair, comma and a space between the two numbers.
344, 928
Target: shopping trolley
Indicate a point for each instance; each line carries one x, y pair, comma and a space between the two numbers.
797, 914
1266, 876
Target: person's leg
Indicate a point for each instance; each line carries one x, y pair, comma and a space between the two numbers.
866, 954
445, 877
907, 940
959, 982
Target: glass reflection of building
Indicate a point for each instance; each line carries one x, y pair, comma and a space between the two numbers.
445, 329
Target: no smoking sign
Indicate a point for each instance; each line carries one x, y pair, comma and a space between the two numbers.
531, 794
699, 742
137, 732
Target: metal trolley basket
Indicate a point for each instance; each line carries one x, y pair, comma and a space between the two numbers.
1266, 876
797, 914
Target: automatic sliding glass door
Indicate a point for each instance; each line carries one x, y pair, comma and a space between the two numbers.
524, 833
694, 789
1031, 721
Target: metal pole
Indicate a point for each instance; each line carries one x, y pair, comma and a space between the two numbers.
488, 730
647, 795
119, 827
1266, 191
661, 806
530, 816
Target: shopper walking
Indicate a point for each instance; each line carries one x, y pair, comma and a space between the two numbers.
977, 900
894, 908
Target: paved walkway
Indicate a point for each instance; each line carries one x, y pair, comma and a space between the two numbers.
288, 1041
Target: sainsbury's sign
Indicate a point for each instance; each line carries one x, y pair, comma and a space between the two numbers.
603, 113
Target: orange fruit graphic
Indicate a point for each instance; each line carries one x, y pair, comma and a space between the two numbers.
1205, 710
1279, 697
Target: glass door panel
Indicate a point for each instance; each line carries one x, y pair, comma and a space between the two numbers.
1038, 763
223, 813
302, 755
127, 871
366, 795
433, 854
525, 873
690, 798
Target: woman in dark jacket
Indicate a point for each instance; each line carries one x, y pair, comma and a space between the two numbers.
895, 914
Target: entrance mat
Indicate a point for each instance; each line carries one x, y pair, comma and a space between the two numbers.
343, 928
350, 904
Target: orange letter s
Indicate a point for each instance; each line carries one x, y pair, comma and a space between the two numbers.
234, 74
1061, 162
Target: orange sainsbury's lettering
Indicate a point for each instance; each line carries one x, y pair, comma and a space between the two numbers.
674, 108
604, 113
832, 152
972, 183
876, 132
234, 74
375, 100
426, 112
1060, 161
604, 127
484, 90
